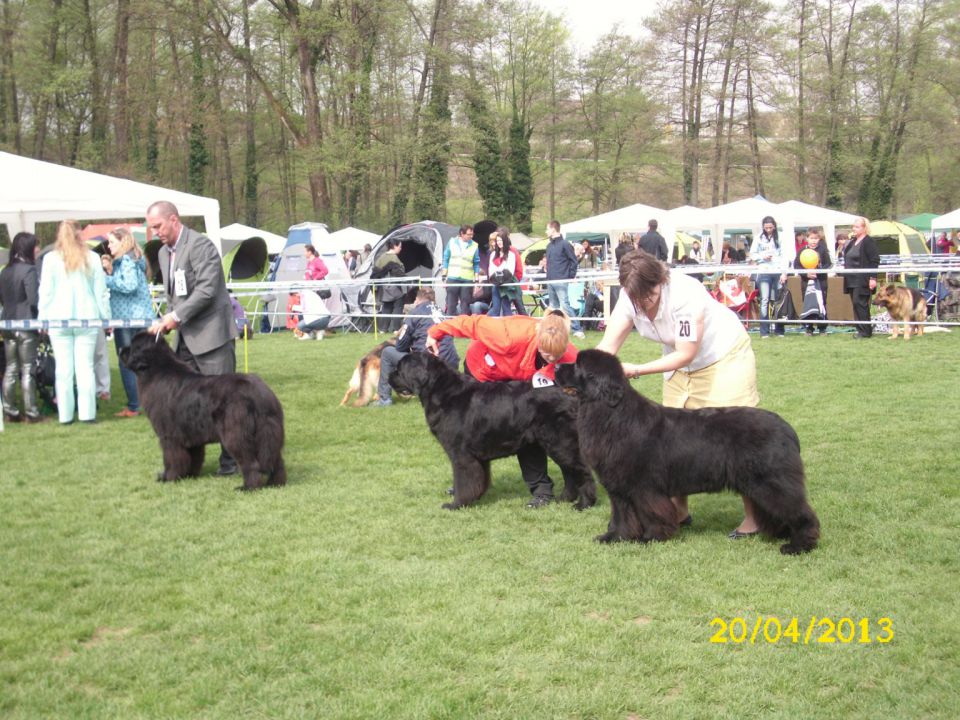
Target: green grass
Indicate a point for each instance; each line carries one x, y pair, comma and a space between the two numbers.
351, 594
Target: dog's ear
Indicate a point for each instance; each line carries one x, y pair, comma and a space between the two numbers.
609, 387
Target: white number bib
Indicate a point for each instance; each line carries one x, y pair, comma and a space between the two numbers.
685, 330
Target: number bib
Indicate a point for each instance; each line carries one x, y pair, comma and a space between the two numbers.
685, 330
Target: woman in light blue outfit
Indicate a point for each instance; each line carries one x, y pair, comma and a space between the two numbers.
765, 252
72, 287
126, 269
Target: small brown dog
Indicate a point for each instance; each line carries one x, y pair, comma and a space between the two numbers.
905, 305
366, 376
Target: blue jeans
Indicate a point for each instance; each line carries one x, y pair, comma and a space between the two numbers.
769, 291
123, 337
557, 294
314, 325
500, 306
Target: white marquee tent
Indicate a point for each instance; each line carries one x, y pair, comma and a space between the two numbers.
632, 219
790, 215
950, 221
349, 238
33, 191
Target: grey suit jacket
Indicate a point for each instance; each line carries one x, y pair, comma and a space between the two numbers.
206, 317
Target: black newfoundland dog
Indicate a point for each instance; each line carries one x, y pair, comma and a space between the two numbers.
644, 453
189, 410
478, 422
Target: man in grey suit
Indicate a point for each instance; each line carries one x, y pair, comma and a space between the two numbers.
197, 300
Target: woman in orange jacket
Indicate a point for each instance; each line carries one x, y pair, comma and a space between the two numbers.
514, 348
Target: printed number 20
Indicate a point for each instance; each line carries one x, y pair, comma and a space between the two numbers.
684, 328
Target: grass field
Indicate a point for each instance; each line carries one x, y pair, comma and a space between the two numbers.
351, 594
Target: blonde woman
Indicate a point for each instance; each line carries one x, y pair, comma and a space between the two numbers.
126, 269
72, 287
517, 347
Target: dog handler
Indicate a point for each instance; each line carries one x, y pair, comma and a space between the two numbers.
707, 359
514, 348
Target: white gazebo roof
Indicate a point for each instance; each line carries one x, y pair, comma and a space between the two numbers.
946, 222
236, 233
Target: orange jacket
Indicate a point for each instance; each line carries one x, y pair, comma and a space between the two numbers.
503, 348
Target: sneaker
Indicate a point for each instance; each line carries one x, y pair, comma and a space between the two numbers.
319, 335
381, 403
539, 501
579, 334
305, 336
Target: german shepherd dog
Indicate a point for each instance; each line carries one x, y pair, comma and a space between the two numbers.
366, 376
905, 305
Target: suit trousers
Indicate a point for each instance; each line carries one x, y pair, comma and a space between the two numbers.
216, 362
73, 350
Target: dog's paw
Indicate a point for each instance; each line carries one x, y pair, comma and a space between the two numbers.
608, 537
452, 506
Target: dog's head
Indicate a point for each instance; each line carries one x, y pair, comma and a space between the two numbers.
595, 376
886, 296
416, 372
146, 351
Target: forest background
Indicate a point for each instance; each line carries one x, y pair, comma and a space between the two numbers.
375, 112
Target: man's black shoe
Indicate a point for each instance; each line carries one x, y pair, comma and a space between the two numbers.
539, 501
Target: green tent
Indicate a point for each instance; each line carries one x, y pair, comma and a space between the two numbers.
895, 238
919, 222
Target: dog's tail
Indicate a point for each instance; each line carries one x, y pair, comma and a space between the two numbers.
801, 527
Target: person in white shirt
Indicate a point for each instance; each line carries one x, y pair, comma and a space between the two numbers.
765, 252
707, 359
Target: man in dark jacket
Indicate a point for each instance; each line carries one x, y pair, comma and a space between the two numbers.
561, 266
652, 242
413, 338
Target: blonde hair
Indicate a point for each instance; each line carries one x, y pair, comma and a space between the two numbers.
72, 248
866, 224
127, 243
553, 333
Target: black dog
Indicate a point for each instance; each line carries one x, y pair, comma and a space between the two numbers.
478, 422
644, 453
189, 410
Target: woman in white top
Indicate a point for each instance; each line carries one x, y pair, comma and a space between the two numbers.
765, 252
73, 287
707, 359
502, 268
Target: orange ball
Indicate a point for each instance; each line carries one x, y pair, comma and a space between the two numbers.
809, 258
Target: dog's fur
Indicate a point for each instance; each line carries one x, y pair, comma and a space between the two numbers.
478, 422
188, 410
644, 453
905, 305
366, 376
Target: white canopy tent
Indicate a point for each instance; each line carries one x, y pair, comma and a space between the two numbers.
950, 221
805, 215
33, 191
349, 238
790, 215
233, 235
632, 219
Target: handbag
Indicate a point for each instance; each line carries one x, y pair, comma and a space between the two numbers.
784, 308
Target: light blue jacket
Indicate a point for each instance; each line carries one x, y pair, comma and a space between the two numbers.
129, 292
77, 295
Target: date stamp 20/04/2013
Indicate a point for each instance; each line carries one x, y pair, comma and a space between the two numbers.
813, 631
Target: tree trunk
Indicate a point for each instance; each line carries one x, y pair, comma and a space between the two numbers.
753, 134
121, 113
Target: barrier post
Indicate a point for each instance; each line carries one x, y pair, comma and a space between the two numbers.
373, 294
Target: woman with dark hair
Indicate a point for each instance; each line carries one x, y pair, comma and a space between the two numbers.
707, 358
72, 287
126, 269
316, 268
18, 293
765, 252
390, 296
502, 271
861, 253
